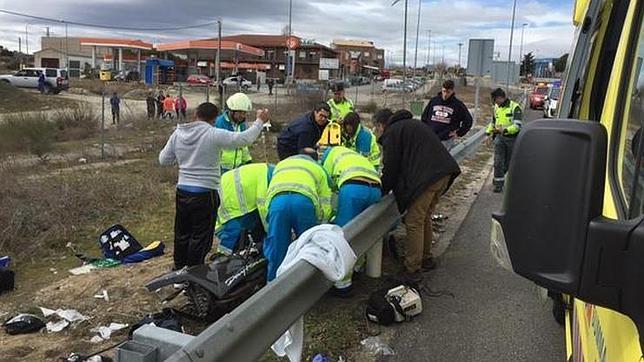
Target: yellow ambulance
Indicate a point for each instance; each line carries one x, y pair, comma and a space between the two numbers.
573, 208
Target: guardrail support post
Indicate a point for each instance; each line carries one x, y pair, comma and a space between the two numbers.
374, 260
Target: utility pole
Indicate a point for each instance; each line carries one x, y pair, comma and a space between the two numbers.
220, 87
521, 47
443, 54
405, 47
417, 36
429, 44
27, 38
460, 46
66, 48
19, 45
291, 56
514, 10
47, 31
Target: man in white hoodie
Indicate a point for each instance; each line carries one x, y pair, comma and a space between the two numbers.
195, 146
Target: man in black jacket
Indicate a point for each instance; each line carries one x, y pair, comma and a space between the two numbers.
419, 170
304, 132
447, 115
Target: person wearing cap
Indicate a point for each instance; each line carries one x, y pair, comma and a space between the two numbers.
298, 198
340, 105
503, 130
419, 170
360, 139
303, 132
234, 119
447, 115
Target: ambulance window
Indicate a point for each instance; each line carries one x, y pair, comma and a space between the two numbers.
632, 180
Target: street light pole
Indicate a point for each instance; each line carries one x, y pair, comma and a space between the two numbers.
405, 46
521, 47
429, 44
460, 46
220, 87
417, 36
27, 38
514, 10
291, 61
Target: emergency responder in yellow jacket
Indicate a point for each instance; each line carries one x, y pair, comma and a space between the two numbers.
503, 130
340, 105
243, 204
360, 139
358, 185
234, 119
299, 197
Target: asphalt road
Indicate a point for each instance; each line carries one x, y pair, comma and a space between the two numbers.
483, 312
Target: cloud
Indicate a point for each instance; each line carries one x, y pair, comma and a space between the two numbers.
452, 21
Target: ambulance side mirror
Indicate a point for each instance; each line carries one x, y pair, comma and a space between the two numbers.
554, 188
550, 229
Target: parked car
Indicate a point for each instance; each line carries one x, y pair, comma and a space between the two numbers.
234, 82
396, 86
56, 80
550, 102
127, 76
308, 89
359, 80
199, 80
537, 97
333, 82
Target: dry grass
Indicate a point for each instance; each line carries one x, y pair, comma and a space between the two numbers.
32, 133
40, 215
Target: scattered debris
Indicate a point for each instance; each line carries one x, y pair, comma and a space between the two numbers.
54, 327
70, 315
82, 160
103, 296
105, 332
85, 269
376, 346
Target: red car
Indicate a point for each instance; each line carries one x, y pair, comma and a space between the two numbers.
537, 96
199, 80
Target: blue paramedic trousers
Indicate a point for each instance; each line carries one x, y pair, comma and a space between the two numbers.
352, 200
287, 212
231, 230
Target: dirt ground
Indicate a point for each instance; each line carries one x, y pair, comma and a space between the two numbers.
335, 326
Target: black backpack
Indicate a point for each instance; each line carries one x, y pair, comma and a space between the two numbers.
7, 278
117, 243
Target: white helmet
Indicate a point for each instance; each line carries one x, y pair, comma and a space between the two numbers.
239, 102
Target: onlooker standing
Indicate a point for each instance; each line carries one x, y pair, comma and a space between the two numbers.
115, 102
168, 106
304, 132
419, 170
41, 82
270, 82
151, 105
180, 106
160, 99
195, 146
340, 105
447, 115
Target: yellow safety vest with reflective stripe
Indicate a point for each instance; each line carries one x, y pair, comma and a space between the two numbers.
243, 190
303, 175
504, 118
373, 151
344, 164
339, 110
231, 158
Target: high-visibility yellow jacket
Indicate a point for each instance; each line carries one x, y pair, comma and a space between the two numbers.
508, 117
343, 164
303, 175
339, 110
244, 190
231, 158
365, 143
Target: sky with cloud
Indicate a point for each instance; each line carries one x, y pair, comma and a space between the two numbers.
548, 32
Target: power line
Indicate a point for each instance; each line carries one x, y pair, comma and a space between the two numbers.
9, 12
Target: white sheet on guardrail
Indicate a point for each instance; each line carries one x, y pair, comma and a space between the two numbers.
325, 247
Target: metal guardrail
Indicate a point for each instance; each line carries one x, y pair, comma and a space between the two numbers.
247, 332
